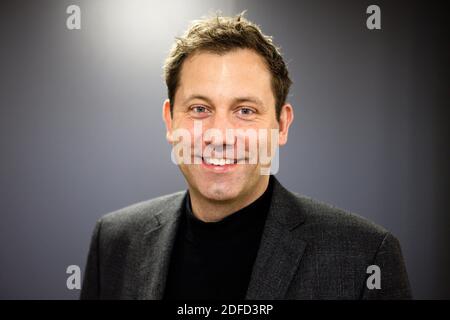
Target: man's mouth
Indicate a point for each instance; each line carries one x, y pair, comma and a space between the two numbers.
219, 161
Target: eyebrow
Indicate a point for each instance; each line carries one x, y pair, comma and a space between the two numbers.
236, 100
197, 96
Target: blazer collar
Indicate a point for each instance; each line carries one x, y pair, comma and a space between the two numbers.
280, 249
158, 241
277, 259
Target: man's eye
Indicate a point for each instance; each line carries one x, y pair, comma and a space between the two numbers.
246, 111
199, 109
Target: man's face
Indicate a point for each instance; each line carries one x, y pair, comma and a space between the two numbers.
224, 93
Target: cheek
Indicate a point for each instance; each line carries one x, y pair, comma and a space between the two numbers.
268, 144
184, 125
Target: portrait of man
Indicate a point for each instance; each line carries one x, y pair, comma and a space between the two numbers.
236, 232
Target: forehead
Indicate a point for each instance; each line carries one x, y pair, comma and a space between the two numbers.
235, 73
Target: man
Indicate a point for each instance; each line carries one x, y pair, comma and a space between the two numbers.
237, 233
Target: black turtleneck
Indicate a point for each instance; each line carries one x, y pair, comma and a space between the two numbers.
214, 260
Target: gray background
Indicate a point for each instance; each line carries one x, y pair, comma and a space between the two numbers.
81, 131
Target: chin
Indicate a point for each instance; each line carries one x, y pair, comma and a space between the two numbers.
218, 192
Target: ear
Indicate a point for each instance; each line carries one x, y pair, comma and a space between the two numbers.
286, 118
167, 117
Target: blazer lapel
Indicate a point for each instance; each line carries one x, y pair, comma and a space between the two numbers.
157, 243
276, 263
280, 250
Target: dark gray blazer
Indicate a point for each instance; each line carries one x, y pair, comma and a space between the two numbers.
308, 250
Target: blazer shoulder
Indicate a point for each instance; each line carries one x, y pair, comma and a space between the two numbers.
338, 223
139, 215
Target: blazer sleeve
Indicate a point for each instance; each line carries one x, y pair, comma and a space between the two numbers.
91, 282
394, 277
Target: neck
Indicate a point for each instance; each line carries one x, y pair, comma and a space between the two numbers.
209, 210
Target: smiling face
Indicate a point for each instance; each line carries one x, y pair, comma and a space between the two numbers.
225, 93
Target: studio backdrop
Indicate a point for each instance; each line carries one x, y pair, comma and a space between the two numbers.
81, 132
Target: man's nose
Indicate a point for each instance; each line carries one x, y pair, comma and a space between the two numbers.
220, 126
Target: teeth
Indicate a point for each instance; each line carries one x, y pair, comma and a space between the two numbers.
218, 162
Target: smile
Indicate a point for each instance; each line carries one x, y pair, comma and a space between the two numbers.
219, 161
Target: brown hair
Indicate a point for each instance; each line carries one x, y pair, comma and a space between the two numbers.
220, 35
